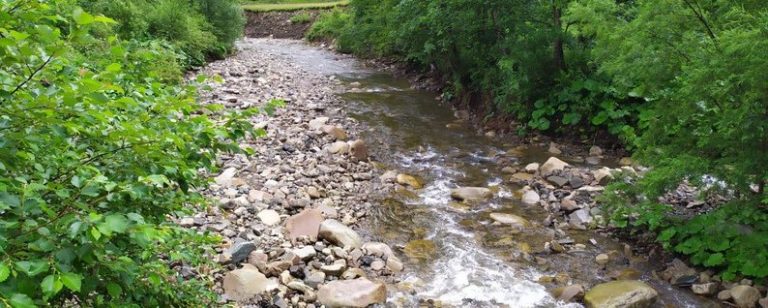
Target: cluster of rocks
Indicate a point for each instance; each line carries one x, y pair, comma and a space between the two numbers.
743, 293
286, 213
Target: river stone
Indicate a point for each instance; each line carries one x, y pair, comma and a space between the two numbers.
745, 296
269, 217
522, 177
318, 123
763, 302
359, 150
420, 249
621, 293
557, 180
240, 250
242, 284
471, 193
510, 219
315, 278
595, 151
569, 293
405, 179
309, 293
625, 161
602, 259
602, 175
530, 197
339, 234
338, 147
305, 223
305, 253
580, 217
359, 292
336, 132
394, 264
551, 165
532, 167
226, 178
704, 288
554, 149
380, 250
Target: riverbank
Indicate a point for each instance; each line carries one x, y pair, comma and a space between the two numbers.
285, 214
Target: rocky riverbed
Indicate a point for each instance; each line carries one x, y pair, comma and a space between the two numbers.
366, 192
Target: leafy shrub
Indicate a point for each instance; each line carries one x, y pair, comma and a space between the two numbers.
508, 57
97, 152
328, 25
202, 29
703, 68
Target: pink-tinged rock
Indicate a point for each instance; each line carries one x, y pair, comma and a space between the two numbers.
306, 223
245, 283
359, 292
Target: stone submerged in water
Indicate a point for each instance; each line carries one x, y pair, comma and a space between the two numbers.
339, 234
510, 219
420, 249
471, 194
409, 180
621, 293
359, 292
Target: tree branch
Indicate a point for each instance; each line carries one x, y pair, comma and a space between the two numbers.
37, 70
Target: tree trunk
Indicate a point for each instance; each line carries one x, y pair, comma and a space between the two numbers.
558, 54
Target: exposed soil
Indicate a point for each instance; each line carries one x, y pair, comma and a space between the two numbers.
277, 24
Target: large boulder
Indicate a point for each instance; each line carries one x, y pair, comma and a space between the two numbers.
242, 284
551, 165
621, 294
339, 234
359, 292
471, 194
305, 223
745, 296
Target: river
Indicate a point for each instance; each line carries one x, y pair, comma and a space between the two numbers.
458, 257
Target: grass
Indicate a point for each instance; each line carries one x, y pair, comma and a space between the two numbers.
292, 5
302, 18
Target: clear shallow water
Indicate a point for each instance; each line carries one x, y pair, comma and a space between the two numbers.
474, 263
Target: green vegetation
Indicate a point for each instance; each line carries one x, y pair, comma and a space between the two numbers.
201, 29
328, 25
302, 18
293, 5
100, 145
682, 83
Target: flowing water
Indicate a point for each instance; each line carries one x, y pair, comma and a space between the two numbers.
457, 257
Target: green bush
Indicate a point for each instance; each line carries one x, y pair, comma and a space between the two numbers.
328, 25
202, 29
97, 150
483, 53
703, 67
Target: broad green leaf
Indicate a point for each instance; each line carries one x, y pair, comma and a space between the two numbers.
114, 289
5, 271
72, 281
19, 300
51, 285
82, 18
116, 223
715, 259
32, 268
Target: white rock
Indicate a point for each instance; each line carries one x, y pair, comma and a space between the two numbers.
551, 165
242, 284
269, 217
532, 167
339, 234
318, 123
